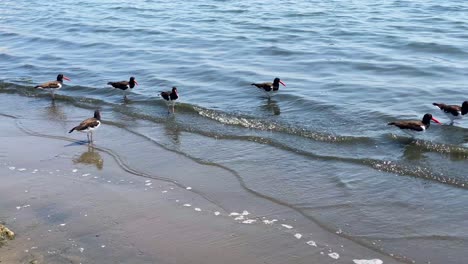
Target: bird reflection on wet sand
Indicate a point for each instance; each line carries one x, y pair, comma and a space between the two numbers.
272, 106
90, 157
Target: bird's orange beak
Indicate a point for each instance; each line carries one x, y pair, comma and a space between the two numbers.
283, 83
436, 121
66, 78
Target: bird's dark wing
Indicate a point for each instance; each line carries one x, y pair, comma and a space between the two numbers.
88, 123
267, 86
452, 109
166, 95
123, 85
412, 125
48, 85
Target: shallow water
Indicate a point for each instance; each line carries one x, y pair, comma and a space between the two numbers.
320, 146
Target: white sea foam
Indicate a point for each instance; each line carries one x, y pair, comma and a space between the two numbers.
367, 261
164, 191
311, 243
287, 226
12, 168
148, 184
245, 212
197, 209
187, 205
74, 170
217, 213
63, 224
334, 255
85, 175
240, 217
189, 188
81, 250
148, 181
298, 236
234, 214
22, 169
249, 221
269, 222
103, 246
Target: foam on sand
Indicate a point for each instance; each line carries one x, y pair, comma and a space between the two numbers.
311, 243
217, 213
298, 236
287, 226
269, 222
249, 221
367, 261
334, 255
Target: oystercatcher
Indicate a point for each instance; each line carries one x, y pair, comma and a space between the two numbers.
53, 86
453, 111
414, 125
89, 125
124, 85
270, 87
170, 97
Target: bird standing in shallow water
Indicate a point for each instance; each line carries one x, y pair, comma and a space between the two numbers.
415, 125
170, 97
89, 125
53, 86
270, 87
124, 85
453, 111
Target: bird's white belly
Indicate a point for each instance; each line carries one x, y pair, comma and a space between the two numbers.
452, 117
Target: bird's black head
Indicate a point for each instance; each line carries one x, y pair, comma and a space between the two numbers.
427, 118
97, 114
464, 109
276, 83
174, 89
60, 78
133, 82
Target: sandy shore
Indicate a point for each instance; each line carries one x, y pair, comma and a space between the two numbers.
71, 203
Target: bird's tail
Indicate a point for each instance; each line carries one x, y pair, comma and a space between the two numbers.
391, 123
73, 129
37, 86
438, 105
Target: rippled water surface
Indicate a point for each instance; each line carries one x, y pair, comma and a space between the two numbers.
321, 145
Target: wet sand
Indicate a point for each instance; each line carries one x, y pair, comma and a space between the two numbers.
72, 203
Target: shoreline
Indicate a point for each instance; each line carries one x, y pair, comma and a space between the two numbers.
65, 212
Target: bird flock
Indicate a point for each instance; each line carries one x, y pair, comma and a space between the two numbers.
453, 112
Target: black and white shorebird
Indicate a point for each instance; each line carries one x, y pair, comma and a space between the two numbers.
53, 86
415, 126
89, 125
270, 88
170, 97
125, 86
453, 112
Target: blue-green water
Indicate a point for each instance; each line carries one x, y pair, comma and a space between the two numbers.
321, 144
